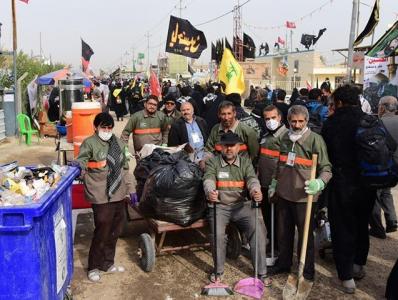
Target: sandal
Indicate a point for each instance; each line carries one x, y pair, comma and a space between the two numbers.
267, 281
213, 278
94, 275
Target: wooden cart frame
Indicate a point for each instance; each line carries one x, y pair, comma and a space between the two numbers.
151, 244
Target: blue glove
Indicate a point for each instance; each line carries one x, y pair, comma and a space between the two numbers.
76, 164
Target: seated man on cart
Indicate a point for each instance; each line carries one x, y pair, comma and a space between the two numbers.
228, 180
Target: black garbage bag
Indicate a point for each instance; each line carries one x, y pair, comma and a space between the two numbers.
173, 192
146, 165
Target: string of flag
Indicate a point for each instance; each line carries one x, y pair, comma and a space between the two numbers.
291, 24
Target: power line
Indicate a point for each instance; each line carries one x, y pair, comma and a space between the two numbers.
209, 21
223, 15
318, 9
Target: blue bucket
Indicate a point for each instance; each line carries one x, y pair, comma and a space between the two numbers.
61, 130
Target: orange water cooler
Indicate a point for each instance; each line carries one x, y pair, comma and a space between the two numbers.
83, 114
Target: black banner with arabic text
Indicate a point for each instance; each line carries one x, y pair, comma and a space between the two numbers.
184, 39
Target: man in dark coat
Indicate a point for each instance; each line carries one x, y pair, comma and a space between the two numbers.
349, 203
189, 129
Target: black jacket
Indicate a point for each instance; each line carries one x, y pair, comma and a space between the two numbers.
178, 134
339, 132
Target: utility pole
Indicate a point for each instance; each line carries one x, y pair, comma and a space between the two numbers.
291, 40
14, 56
355, 4
237, 33
147, 35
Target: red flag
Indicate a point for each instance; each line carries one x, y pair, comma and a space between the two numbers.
290, 24
309, 87
281, 41
25, 1
154, 84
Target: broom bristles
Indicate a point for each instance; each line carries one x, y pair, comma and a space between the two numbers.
217, 289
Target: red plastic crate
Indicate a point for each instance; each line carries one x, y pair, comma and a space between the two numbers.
78, 199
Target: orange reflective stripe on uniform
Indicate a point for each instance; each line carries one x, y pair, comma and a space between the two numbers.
217, 147
297, 160
146, 130
96, 164
269, 152
230, 184
242, 147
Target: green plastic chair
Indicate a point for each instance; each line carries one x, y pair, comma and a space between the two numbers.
25, 128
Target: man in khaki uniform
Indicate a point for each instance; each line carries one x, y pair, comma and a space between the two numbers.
228, 181
269, 157
147, 126
292, 185
106, 184
228, 122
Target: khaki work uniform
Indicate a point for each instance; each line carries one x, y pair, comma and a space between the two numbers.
291, 206
109, 212
249, 148
146, 129
267, 164
233, 182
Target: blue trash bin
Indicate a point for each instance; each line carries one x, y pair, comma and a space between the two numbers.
36, 245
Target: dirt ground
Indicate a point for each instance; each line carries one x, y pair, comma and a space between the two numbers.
183, 274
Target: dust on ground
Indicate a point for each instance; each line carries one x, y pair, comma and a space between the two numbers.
182, 275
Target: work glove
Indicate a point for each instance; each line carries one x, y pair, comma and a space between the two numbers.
127, 154
314, 186
272, 188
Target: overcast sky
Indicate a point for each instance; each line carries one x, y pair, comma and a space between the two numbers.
115, 28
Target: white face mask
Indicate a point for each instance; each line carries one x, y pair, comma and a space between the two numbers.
105, 135
294, 136
272, 124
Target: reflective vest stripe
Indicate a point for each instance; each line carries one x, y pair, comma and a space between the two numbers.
96, 164
146, 130
269, 152
230, 184
242, 147
297, 160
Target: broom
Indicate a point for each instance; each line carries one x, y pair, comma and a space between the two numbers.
216, 288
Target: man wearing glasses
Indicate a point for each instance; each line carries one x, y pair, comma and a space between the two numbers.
148, 126
170, 109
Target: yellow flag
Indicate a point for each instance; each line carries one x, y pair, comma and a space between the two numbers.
231, 73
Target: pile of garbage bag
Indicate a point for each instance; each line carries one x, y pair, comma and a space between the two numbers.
26, 185
173, 190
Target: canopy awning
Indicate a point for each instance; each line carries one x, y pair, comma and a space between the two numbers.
51, 78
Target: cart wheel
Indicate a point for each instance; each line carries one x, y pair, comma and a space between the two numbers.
322, 253
146, 252
234, 243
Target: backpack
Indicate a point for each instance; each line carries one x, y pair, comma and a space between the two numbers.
375, 153
315, 121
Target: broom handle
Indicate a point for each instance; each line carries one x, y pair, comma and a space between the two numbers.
255, 243
307, 220
215, 238
272, 230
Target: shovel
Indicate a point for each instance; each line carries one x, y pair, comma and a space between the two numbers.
296, 286
252, 286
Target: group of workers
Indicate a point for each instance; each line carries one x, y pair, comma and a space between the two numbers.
240, 168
